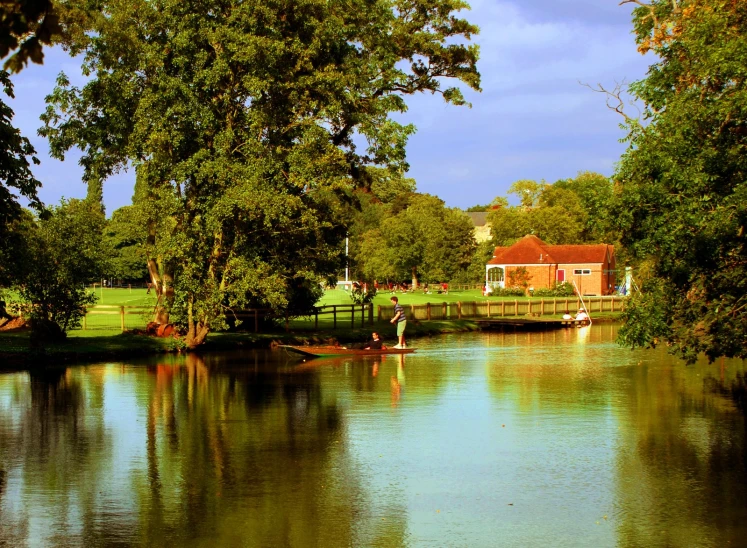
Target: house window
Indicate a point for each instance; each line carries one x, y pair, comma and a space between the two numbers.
582, 272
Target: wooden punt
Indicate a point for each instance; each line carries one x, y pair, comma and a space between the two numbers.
323, 351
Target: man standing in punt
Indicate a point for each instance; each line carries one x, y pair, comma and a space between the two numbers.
401, 320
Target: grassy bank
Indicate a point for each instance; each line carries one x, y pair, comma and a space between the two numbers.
107, 342
86, 346
102, 345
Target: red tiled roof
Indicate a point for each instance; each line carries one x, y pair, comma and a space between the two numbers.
531, 250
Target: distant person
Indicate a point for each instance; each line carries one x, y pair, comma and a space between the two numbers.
582, 316
567, 316
401, 320
445, 287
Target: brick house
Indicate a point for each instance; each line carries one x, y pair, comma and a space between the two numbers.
591, 267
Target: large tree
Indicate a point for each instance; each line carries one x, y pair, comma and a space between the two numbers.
682, 185
425, 240
570, 211
244, 120
16, 181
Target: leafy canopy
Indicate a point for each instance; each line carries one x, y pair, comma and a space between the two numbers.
681, 187
250, 124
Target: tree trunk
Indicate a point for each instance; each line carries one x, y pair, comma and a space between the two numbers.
164, 288
414, 278
197, 331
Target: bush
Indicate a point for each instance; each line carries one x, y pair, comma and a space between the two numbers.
359, 297
61, 253
508, 292
563, 289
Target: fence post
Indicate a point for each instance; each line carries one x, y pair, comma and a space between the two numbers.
428, 310
488, 309
445, 311
363, 314
370, 314
554, 305
516, 307
352, 316
459, 310
542, 307
121, 318
85, 315
612, 303
334, 316
503, 308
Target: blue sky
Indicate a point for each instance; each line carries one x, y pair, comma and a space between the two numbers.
533, 119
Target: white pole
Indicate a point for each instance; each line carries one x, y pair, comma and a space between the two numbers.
347, 270
580, 298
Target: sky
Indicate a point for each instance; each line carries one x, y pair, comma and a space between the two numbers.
533, 119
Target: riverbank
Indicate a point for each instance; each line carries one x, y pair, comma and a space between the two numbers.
90, 346
15, 350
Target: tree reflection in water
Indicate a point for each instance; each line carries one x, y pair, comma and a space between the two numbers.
212, 451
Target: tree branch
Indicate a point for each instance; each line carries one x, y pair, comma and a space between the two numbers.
614, 98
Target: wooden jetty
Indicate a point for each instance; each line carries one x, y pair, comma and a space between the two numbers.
528, 324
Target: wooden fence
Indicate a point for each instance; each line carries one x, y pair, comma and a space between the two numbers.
337, 316
504, 307
124, 318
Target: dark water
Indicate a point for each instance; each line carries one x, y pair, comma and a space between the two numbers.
545, 439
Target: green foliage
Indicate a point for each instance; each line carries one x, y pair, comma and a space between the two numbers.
124, 238
594, 192
15, 174
26, 25
508, 292
251, 125
561, 289
528, 192
508, 225
359, 297
62, 252
518, 278
475, 272
426, 239
478, 208
681, 187
571, 211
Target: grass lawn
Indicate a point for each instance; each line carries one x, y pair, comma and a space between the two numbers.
124, 297
138, 297
338, 296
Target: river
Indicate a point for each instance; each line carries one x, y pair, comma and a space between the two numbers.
481, 439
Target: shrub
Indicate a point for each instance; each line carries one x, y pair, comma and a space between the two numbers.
508, 292
563, 289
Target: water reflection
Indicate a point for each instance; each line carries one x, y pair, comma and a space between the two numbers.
557, 438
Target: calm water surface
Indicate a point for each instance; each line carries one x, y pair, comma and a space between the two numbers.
543, 439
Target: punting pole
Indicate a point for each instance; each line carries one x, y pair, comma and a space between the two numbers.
580, 298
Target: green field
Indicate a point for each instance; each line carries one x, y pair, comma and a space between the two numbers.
138, 297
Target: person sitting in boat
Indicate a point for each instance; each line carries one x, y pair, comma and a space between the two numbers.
567, 316
374, 344
582, 316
